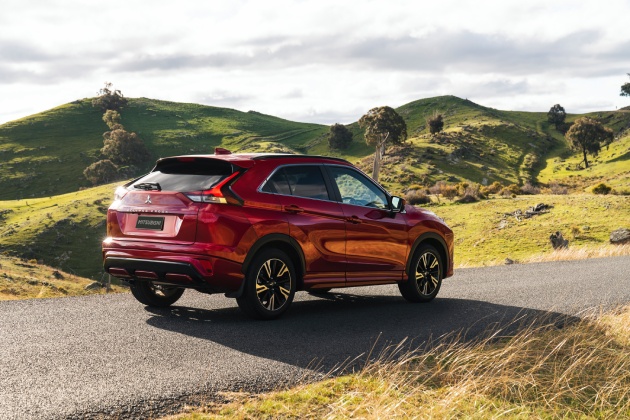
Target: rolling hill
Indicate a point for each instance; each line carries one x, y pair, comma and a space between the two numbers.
50, 213
45, 154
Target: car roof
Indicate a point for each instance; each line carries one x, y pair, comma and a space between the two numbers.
237, 158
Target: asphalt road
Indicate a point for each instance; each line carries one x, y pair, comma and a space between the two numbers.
109, 356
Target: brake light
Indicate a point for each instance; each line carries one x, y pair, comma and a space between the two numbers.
120, 193
217, 194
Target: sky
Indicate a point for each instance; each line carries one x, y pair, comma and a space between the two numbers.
316, 61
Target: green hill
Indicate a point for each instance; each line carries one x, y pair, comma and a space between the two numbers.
45, 154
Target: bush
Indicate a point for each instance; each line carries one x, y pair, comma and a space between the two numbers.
416, 197
101, 172
445, 190
510, 191
601, 189
558, 189
530, 189
435, 123
495, 187
339, 137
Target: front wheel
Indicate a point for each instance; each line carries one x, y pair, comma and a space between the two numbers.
425, 276
270, 285
151, 294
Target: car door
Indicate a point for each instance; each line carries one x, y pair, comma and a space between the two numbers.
376, 238
316, 221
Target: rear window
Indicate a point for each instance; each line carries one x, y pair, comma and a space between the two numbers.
184, 175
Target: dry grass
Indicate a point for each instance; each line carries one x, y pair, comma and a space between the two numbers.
581, 253
569, 254
22, 279
545, 370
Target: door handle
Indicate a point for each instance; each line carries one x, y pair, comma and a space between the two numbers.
354, 219
292, 208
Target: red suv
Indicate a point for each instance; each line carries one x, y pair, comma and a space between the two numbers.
259, 227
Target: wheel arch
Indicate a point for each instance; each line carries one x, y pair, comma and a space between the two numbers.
284, 243
434, 240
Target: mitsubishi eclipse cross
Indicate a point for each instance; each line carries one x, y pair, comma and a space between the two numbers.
259, 227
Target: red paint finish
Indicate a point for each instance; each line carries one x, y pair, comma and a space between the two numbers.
206, 245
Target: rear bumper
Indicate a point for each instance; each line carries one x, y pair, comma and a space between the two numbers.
204, 273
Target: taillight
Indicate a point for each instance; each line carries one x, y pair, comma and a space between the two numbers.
120, 193
220, 193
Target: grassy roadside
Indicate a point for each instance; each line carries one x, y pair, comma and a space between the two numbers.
66, 231
21, 279
544, 370
489, 231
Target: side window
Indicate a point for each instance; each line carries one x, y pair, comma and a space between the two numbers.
277, 184
307, 181
356, 189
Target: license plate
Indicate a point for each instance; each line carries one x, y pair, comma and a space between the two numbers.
150, 223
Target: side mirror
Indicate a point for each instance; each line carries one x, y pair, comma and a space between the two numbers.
397, 204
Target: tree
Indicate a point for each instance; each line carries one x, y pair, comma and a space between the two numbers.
588, 135
109, 98
112, 119
382, 125
101, 172
435, 123
123, 147
556, 115
625, 88
339, 137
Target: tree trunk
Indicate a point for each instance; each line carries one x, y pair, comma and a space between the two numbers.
379, 152
377, 163
585, 160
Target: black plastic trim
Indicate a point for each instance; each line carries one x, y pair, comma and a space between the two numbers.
422, 238
275, 237
161, 268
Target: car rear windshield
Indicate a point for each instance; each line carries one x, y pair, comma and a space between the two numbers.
186, 174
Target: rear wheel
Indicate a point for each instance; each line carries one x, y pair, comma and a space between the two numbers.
270, 285
425, 276
151, 294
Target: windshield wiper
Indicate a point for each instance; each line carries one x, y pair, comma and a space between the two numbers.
148, 186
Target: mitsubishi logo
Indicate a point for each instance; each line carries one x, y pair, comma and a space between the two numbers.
148, 201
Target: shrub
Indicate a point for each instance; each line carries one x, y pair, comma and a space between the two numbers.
416, 197
530, 189
495, 187
601, 189
450, 192
510, 191
445, 190
101, 172
558, 189
339, 137
435, 123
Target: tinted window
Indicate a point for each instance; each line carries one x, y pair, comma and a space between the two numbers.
307, 181
357, 189
302, 181
277, 184
187, 175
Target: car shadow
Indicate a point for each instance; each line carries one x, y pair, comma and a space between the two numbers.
333, 331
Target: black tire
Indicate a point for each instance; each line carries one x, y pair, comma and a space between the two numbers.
425, 275
270, 285
155, 295
318, 292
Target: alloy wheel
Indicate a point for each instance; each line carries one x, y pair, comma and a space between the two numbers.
273, 284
